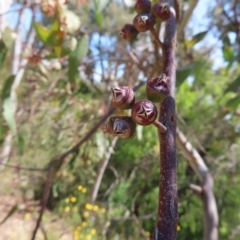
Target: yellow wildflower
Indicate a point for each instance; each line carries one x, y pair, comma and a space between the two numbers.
86, 214
95, 208
88, 206
67, 209
178, 228
93, 231
84, 190
84, 224
73, 199
103, 210
27, 216
80, 187
147, 234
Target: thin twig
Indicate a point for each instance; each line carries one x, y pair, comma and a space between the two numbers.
101, 170
206, 190
186, 17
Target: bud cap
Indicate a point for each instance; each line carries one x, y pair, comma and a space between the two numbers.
143, 22
123, 127
161, 12
129, 33
123, 97
144, 112
143, 6
157, 89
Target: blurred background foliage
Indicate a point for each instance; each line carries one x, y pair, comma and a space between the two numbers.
75, 58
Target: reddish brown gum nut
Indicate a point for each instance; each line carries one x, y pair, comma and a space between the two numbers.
122, 127
129, 32
143, 6
143, 22
144, 112
157, 89
161, 12
123, 97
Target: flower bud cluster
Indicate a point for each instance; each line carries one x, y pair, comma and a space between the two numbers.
147, 16
143, 112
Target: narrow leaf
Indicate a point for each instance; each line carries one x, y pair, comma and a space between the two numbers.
3, 53
195, 39
233, 103
228, 53
50, 37
9, 115
42, 32
3, 131
76, 58
10, 213
7, 87
20, 144
234, 86
99, 19
182, 74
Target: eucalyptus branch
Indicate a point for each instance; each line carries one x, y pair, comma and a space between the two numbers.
168, 200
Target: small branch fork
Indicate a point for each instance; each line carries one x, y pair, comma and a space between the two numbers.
205, 191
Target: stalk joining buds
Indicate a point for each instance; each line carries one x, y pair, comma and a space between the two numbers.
123, 97
129, 33
161, 12
123, 127
145, 113
143, 6
143, 22
157, 89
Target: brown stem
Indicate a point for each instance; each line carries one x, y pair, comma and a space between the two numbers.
166, 228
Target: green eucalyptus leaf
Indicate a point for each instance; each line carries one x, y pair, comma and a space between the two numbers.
233, 103
7, 87
50, 37
42, 32
3, 132
3, 53
76, 57
182, 74
228, 53
10, 213
20, 144
196, 38
9, 115
99, 19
